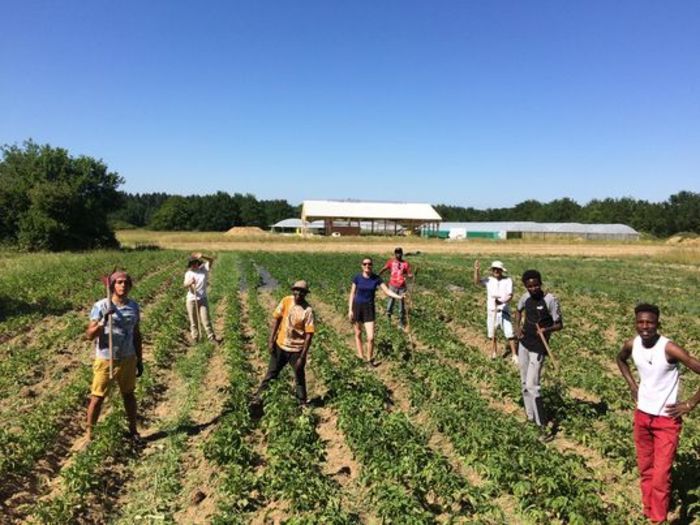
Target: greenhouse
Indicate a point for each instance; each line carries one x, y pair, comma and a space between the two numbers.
533, 230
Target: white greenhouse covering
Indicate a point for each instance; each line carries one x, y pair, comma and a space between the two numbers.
297, 223
525, 229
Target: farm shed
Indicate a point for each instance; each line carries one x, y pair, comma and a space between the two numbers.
362, 217
533, 230
295, 225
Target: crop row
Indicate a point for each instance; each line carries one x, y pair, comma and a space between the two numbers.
295, 452
229, 445
407, 481
53, 284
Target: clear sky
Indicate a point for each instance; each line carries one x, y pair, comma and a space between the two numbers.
473, 103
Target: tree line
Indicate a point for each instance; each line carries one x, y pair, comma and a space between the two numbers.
217, 212
50, 200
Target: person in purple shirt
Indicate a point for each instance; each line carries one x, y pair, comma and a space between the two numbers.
361, 307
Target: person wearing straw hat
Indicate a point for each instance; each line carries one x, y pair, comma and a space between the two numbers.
290, 338
198, 267
499, 292
658, 413
126, 350
538, 315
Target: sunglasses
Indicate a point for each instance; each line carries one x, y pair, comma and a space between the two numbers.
366, 264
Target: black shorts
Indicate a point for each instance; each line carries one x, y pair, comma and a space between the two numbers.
363, 312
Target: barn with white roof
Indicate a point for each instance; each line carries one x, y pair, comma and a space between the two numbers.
364, 217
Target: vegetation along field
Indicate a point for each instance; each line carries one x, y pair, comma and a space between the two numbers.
435, 434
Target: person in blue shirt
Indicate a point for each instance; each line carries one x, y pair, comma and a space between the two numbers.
361, 309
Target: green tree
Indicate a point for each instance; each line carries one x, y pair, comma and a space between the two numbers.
52, 201
176, 213
684, 212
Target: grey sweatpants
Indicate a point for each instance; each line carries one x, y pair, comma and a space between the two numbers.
203, 317
530, 371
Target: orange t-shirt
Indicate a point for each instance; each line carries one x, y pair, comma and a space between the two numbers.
297, 321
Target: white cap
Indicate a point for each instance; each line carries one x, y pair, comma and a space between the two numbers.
499, 265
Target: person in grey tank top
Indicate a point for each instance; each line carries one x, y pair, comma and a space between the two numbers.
657, 417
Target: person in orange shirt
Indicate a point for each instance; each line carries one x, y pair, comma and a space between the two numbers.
290, 339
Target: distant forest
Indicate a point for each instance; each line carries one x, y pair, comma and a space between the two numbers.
221, 211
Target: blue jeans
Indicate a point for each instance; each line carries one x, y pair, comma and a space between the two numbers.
390, 304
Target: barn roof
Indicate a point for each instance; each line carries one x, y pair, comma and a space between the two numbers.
407, 211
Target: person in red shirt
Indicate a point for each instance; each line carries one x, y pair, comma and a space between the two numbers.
398, 271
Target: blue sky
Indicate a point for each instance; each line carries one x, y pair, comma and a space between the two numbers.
470, 103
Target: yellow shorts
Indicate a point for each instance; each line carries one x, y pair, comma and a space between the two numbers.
124, 373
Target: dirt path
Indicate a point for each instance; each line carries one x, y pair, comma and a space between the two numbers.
199, 495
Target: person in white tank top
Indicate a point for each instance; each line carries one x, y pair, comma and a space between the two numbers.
657, 418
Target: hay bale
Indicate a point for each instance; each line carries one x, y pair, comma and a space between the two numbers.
246, 231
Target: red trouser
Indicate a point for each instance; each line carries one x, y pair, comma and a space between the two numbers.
656, 439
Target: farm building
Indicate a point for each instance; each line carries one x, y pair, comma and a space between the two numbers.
378, 218
533, 230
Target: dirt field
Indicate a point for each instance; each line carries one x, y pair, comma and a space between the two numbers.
215, 241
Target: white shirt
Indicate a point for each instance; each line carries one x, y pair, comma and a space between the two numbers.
199, 276
501, 289
658, 379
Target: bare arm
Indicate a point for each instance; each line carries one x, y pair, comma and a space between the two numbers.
351, 299
518, 324
307, 343
389, 293
477, 273
94, 329
679, 354
622, 363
